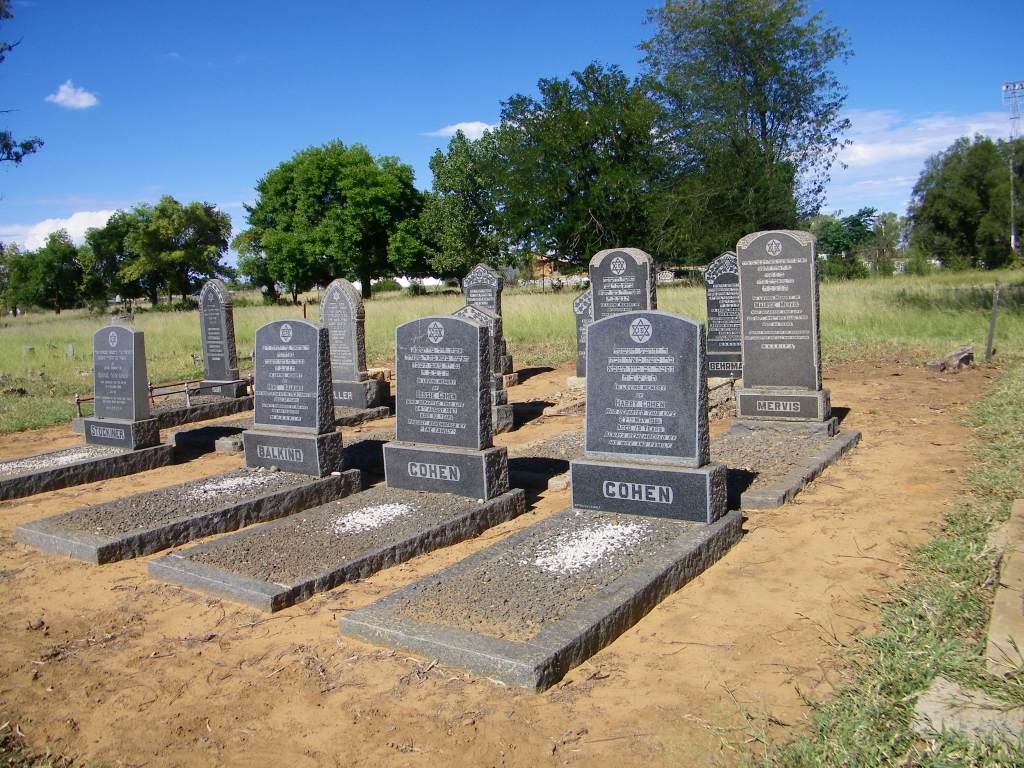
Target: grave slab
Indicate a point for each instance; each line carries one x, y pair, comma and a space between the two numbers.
419, 467
149, 522
173, 411
68, 467
277, 565
538, 603
583, 310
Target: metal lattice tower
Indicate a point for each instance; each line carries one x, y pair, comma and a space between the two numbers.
1013, 95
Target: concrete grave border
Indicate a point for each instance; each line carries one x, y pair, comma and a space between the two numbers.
783, 491
190, 414
49, 536
86, 471
562, 644
270, 597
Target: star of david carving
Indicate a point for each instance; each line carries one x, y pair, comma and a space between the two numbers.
640, 330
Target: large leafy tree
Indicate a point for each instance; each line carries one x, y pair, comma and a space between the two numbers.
329, 211
575, 169
960, 207
753, 107
175, 245
48, 277
460, 215
13, 150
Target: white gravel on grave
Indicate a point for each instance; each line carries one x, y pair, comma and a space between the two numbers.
212, 488
369, 518
578, 550
46, 462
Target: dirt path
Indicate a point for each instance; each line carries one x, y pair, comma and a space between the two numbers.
109, 666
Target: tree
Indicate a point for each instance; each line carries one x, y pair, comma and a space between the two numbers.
49, 277
843, 241
329, 211
576, 169
750, 96
960, 206
150, 248
460, 216
12, 150
176, 245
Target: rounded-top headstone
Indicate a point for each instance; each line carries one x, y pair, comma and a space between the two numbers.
341, 310
779, 310
483, 286
120, 383
292, 382
220, 358
443, 393
622, 280
722, 292
647, 389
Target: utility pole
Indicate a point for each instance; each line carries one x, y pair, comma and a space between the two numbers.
1013, 94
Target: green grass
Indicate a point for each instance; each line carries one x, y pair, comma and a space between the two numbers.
933, 625
867, 319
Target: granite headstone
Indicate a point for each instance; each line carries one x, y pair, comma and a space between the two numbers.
121, 391
582, 308
217, 326
780, 328
502, 416
293, 421
341, 310
482, 287
443, 404
722, 286
646, 434
622, 280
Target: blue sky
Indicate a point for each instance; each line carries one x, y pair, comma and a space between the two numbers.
199, 99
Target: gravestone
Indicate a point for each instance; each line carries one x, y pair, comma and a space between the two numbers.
342, 312
443, 404
666, 276
482, 287
646, 444
220, 358
582, 308
780, 331
622, 280
502, 417
293, 420
722, 287
121, 391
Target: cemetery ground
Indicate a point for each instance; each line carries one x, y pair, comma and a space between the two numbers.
851, 598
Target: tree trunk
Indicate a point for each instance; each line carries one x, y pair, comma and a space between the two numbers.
154, 296
295, 295
364, 285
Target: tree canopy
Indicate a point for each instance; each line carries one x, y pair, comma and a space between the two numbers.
960, 208
329, 211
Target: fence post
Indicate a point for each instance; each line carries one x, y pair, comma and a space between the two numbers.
992, 322
78, 404
188, 399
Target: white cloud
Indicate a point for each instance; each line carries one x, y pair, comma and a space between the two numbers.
32, 236
473, 129
888, 151
70, 97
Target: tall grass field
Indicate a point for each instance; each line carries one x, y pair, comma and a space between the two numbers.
905, 318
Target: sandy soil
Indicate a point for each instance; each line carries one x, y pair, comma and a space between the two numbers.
106, 665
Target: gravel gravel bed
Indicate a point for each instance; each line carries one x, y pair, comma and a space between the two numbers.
178, 502
544, 578
52, 459
319, 539
177, 402
568, 445
767, 454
